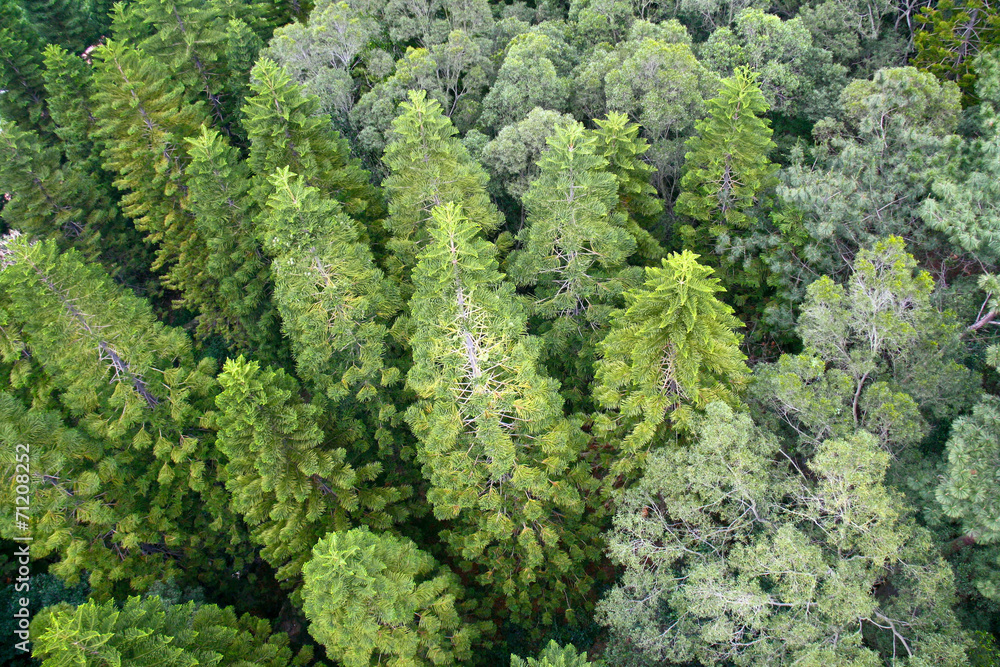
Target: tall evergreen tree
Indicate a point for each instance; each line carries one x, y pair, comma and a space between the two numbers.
574, 252
69, 87
428, 167
23, 99
376, 599
60, 200
727, 176
219, 197
189, 38
148, 631
673, 348
284, 130
139, 397
502, 461
619, 143
289, 485
333, 299
143, 119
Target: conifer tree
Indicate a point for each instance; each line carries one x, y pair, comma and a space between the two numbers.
500, 458
574, 252
144, 475
188, 38
148, 631
727, 175
21, 69
969, 489
58, 200
376, 599
673, 348
289, 485
69, 88
143, 119
219, 197
284, 130
619, 143
333, 299
428, 167
554, 655
73, 25
243, 47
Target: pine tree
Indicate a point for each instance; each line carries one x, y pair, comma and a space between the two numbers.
218, 195
378, 599
969, 489
21, 69
143, 473
673, 348
619, 143
428, 166
727, 176
333, 299
148, 631
243, 47
55, 199
284, 130
188, 38
501, 460
554, 655
69, 84
290, 487
143, 120
69, 87
574, 252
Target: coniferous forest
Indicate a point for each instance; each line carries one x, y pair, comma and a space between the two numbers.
544, 333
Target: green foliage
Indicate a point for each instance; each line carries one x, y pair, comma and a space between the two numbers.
877, 353
672, 348
554, 655
143, 119
218, 195
332, 298
952, 34
21, 68
150, 632
502, 461
866, 179
573, 251
378, 599
512, 157
428, 166
289, 485
619, 143
655, 79
969, 490
57, 200
733, 555
966, 191
795, 76
129, 493
286, 130
529, 77
728, 177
